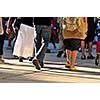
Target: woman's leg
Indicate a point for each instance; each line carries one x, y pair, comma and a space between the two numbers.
90, 48
83, 49
1, 47
73, 58
68, 55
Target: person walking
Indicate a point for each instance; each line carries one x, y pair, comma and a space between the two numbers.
23, 47
43, 33
89, 39
2, 37
25, 36
54, 31
74, 30
60, 36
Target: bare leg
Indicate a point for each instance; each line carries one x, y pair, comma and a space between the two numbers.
83, 48
73, 57
68, 54
90, 48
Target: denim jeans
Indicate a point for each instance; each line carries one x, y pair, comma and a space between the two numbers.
42, 39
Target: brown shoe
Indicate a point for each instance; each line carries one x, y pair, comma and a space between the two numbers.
2, 61
37, 64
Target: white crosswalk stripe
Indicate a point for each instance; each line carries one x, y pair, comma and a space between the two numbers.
83, 72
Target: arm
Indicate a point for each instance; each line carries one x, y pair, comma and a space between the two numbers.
10, 22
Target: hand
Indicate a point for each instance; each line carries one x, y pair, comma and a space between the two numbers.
86, 33
8, 30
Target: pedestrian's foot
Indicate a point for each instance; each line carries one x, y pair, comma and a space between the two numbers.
48, 51
20, 60
2, 61
72, 68
16, 57
83, 57
65, 55
59, 53
90, 57
67, 65
30, 58
37, 64
41, 64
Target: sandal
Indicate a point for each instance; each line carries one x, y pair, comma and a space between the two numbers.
72, 68
67, 65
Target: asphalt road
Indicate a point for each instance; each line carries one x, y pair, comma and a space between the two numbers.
53, 72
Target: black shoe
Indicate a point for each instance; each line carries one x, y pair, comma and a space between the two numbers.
16, 57
37, 64
30, 58
48, 51
42, 64
65, 55
59, 53
20, 60
90, 57
83, 58
97, 60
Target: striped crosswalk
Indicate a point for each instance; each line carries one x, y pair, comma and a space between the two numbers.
52, 72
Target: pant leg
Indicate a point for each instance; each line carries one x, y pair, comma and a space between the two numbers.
61, 44
1, 43
45, 33
38, 39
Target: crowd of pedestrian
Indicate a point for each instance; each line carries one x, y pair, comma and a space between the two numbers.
31, 36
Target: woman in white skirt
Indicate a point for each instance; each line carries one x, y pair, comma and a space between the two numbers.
25, 39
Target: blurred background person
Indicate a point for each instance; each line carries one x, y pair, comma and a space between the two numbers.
62, 49
2, 37
88, 41
43, 34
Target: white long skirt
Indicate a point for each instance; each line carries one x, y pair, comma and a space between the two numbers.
25, 42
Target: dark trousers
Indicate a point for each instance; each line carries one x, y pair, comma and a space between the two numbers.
1, 43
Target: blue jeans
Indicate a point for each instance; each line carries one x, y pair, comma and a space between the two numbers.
43, 34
